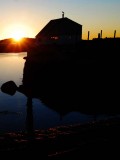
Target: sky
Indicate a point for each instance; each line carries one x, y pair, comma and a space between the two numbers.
28, 17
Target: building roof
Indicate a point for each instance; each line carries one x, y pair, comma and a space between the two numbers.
61, 26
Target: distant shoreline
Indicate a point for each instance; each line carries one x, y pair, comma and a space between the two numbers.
30, 44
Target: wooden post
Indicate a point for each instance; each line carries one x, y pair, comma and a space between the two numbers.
98, 35
115, 34
88, 35
101, 34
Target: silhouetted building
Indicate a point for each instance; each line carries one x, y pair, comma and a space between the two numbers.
60, 31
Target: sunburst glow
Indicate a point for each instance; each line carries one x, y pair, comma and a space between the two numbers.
18, 35
17, 32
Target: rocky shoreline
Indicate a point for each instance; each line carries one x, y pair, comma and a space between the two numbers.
66, 141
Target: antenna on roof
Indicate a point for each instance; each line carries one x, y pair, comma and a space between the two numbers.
62, 14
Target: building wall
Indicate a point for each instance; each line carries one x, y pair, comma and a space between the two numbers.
72, 38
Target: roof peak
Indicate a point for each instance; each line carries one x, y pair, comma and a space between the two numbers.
59, 18
63, 19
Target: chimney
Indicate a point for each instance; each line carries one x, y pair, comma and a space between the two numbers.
62, 14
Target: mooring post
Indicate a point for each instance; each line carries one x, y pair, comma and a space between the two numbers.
115, 34
88, 35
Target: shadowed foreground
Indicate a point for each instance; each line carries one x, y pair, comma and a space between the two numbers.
96, 139
66, 83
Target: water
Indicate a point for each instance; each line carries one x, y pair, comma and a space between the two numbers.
13, 109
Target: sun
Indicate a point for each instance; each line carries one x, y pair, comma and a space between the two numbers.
17, 32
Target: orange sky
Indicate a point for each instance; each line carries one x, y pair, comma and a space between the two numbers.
28, 17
